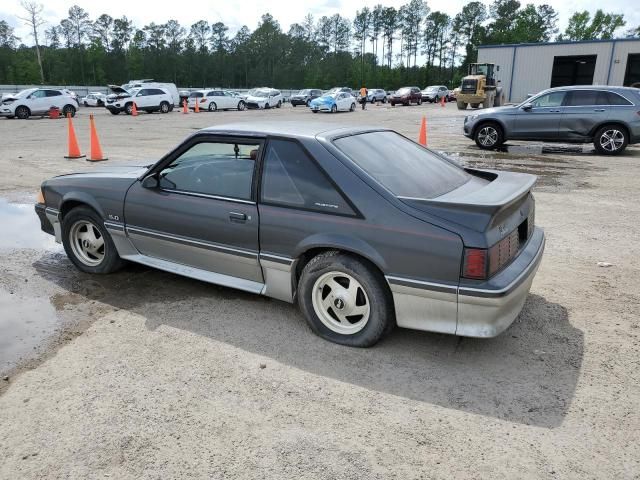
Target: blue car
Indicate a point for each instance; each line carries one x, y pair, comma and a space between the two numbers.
332, 102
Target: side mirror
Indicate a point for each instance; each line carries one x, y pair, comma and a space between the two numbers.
150, 182
527, 107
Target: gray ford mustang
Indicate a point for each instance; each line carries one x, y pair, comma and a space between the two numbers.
364, 228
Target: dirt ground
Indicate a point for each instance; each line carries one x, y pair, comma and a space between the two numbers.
144, 374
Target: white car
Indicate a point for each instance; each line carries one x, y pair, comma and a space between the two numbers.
264, 98
333, 102
213, 100
94, 99
148, 99
38, 101
170, 88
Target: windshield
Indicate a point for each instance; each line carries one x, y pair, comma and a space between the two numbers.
25, 93
261, 94
329, 95
479, 69
431, 89
403, 91
402, 166
304, 92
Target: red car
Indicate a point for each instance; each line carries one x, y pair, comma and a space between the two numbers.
406, 96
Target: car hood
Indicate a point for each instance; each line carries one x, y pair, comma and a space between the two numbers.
323, 100
251, 98
132, 171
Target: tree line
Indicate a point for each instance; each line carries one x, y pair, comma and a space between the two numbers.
381, 47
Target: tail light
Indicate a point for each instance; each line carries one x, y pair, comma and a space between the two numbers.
475, 263
203, 100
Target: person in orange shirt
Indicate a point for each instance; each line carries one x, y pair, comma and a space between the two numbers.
364, 93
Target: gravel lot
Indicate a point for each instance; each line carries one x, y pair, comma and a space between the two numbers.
143, 374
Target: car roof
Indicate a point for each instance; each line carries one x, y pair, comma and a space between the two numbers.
593, 87
309, 129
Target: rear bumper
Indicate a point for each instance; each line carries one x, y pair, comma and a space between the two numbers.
483, 309
487, 310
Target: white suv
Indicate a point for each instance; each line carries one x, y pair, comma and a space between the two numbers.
149, 99
264, 98
213, 100
38, 101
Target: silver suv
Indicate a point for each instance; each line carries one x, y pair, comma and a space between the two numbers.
607, 116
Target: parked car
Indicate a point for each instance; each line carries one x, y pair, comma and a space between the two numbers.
364, 228
304, 97
377, 95
148, 99
38, 101
452, 96
406, 96
434, 93
606, 116
333, 102
94, 99
264, 98
213, 100
170, 88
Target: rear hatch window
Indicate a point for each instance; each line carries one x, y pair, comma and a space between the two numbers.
403, 167
196, 95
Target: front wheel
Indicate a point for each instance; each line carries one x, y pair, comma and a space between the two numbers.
22, 112
334, 108
488, 136
344, 300
419, 101
241, 105
87, 242
610, 140
128, 108
213, 107
461, 105
279, 104
352, 107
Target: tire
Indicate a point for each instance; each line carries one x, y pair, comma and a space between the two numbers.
68, 109
314, 111
267, 106
22, 112
334, 108
279, 104
86, 104
488, 136
308, 103
329, 277
352, 108
474, 105
128, 108
100, 103
461, 105
610, 140
241, 106
384, 100
81, 220
213, 107
294, 105
419, 101
164, 107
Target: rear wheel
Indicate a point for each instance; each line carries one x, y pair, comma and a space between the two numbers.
345, 300
164, 107
69, 110
22, 112
213, 107
241, 105
87, 242
279, 104
610, 140
420, 101
384, 100
488, 136
461, 105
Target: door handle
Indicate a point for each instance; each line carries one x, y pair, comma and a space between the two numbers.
599, 110
237, 217
554, 111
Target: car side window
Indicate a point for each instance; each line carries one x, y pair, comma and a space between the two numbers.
581, 98
553, 99
39, 94
53, 93
615, 99
223, 169
291, 179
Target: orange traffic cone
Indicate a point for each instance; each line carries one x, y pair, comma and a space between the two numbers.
185, 109
197, 109
74, 148
96, 150
442, 101
422, 138
134, 110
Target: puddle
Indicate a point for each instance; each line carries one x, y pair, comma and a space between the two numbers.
21, 229
25, 323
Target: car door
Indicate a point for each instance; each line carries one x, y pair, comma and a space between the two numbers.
142, 98
539, 119
38, 102
198, 209
342, 101
55, 99
228, 100
583, 110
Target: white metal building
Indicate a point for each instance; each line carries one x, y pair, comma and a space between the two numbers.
531, 67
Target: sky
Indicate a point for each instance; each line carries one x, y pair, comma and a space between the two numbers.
248, 12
